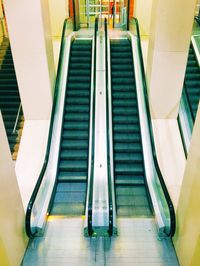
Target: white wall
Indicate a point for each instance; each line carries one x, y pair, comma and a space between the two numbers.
32, 49
13, 240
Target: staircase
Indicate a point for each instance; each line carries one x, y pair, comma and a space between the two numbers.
9, 98
129, 172
192, 81
73, 162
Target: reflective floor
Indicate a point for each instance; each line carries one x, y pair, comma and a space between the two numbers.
64, 244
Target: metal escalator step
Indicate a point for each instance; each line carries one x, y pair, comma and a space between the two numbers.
194, 92
73, 165
133, 128
120, 74
192, 69
127, 147
120, 49
132, 201
76, 117
85, 78
122, 103
193, 83
191, 63
128, 157
4, 81
120, 119
121, 61
125, 112
76, 135
76, 126
78, 86
124, 95
78, 100
78, 93
74, 144
77, 108
79, 72
68, 209
129, 169
122, 80
123, 89
122, 54
123, 67
79, 60
72, 176
126, 138
126, 180
79, 54
192, 76
74, 155
71, 186
80, 65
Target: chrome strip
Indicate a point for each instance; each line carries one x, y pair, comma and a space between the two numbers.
100, 212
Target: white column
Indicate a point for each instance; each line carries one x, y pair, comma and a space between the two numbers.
170, 32
13, 240
187, 238
31, 43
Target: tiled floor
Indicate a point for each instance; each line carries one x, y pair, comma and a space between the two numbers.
137, 244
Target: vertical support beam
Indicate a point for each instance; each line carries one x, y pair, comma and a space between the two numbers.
170, 34
31, 43
187, 238
12, 234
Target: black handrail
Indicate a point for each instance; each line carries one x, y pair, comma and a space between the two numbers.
162, 182
44, 166
110, 198
90, 199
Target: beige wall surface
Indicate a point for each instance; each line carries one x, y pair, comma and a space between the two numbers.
32, 49
58, 13
13, 240
142, 11
170, 33
187, 238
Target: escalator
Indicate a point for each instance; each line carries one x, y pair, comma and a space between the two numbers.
189, 99
73, 158
130, 185
192, 81
62, 187
10, 98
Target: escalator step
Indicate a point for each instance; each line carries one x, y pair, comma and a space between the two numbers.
75, 135
127, 147
74, 144
73, 165
77, 109
76, 117
74, 155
